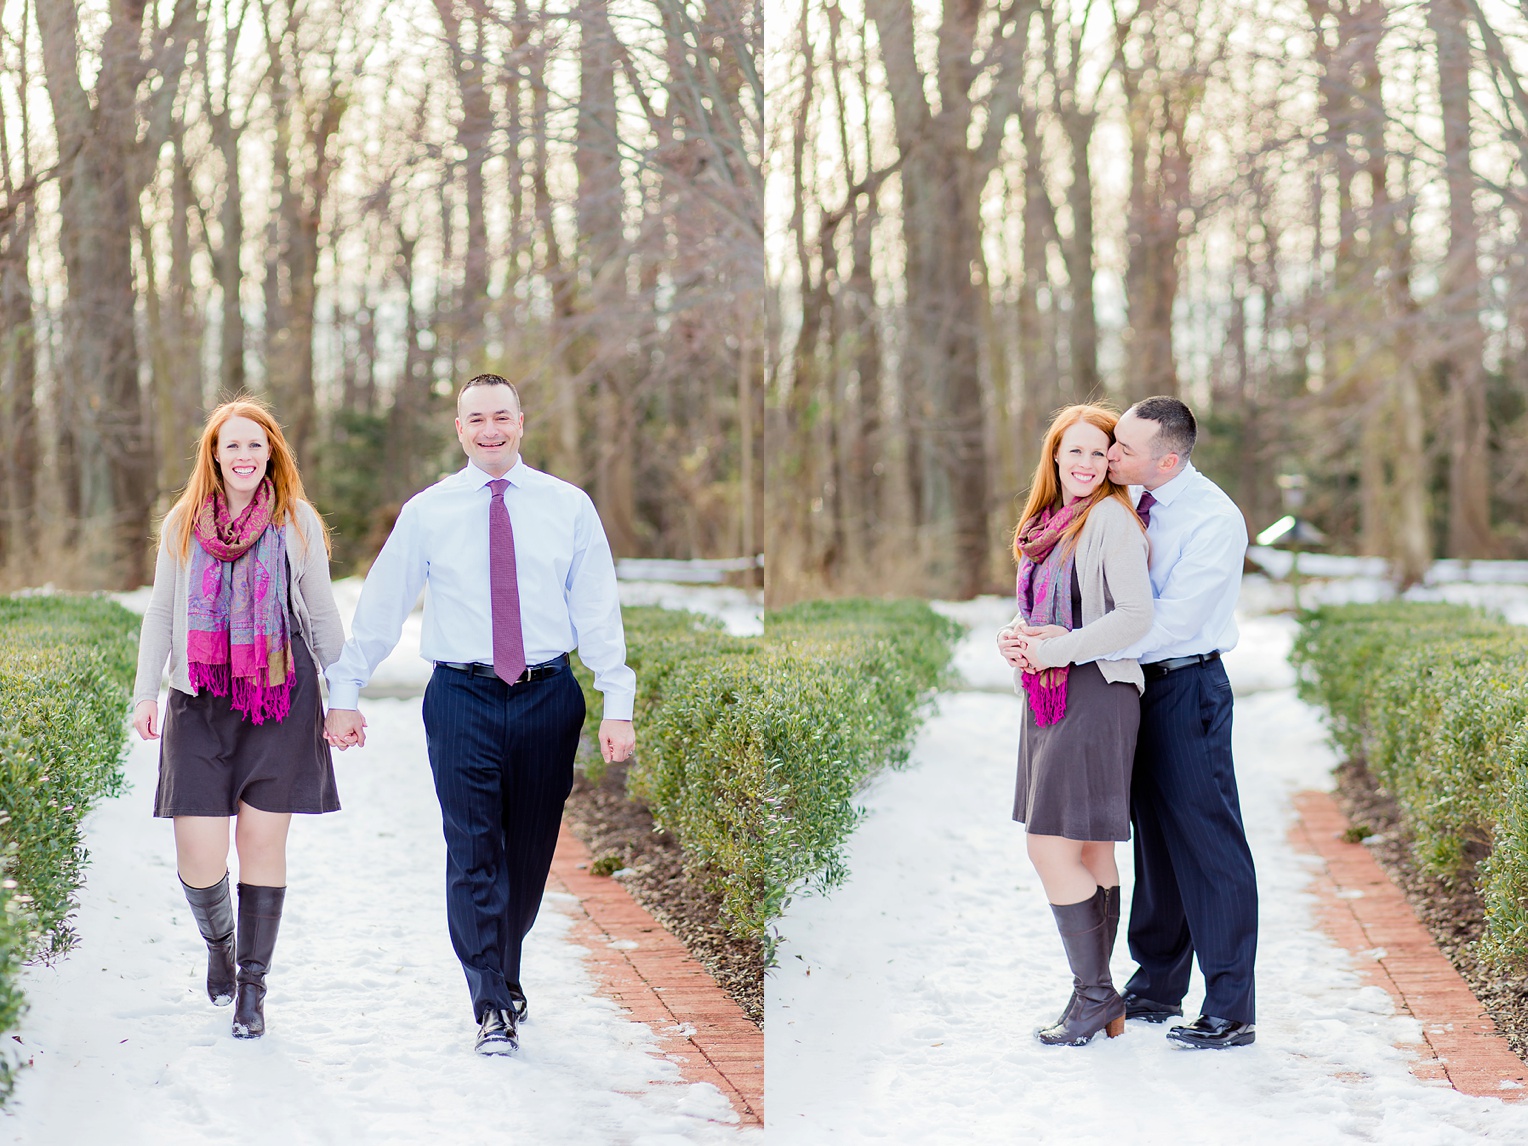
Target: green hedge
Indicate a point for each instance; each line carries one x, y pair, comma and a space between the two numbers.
66, 668
751, 750
1434, 700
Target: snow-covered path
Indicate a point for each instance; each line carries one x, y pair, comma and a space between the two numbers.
904, 1001
370, 1028
369, 1023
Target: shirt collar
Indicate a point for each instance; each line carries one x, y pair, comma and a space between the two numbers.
478, 477
1168, 491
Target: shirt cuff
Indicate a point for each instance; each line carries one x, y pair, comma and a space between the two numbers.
618, 705
344, 694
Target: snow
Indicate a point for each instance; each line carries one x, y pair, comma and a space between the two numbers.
369, 1022
1497, 586
740, 611
904, 1001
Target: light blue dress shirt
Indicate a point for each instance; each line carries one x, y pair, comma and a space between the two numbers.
568, 595
1198, 543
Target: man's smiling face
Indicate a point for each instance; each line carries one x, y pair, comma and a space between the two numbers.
489, 426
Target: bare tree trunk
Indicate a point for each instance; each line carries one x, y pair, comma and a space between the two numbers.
178, 372
227, 254
1371, 357
942, 226
1063, 60
861, 322
411, 399
18, 382
1162, 95
600, 193
561, 279
19, 447
473, 133
1463, 341
306, 120
106, 423
1041, 380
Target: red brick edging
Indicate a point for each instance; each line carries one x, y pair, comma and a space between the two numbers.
1366, 913
649, 973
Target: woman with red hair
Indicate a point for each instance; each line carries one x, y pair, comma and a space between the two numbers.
1083, 593
243, 612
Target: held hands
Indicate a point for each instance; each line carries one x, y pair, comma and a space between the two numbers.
344, 728
617, 740
146, 720
1019, 644
1014, 646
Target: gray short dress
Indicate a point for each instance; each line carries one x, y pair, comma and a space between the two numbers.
1074, 775
211, 758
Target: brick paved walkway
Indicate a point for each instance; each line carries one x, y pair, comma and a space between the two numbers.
1366, 913
649, 973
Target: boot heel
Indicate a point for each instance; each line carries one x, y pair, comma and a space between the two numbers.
1116, 1027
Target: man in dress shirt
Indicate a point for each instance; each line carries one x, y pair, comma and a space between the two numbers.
1195, 888
508, 596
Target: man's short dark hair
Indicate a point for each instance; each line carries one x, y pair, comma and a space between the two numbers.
1176, 428
489, 380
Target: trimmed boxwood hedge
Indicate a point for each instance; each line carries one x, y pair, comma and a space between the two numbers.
1434, 699
751, 750
66, 668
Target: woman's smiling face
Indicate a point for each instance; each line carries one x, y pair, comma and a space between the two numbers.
1082, 461
244, 453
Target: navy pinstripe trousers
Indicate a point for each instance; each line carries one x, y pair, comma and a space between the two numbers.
502, 759
1195, 887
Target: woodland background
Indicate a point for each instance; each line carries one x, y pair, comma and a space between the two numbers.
1309, 218
349, 206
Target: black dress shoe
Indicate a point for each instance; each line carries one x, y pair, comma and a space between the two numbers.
518, 1004
496, 1034
1208, 1031
1139, 1007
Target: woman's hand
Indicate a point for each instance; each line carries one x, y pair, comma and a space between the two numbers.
146, 719
345, 728
1015, 649
1042, 632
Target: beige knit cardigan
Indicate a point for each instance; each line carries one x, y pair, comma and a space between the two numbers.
163, 636
1116, 598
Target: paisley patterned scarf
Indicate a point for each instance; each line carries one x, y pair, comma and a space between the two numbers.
237, 642
1045, 598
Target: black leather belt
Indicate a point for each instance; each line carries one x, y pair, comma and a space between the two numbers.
534, 672
1162, 668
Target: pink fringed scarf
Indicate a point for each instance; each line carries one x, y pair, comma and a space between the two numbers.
1045, 598
238, 642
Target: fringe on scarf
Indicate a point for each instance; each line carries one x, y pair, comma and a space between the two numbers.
1047, 695
257, 702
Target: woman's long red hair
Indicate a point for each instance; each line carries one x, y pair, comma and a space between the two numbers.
206, 476
1045, 490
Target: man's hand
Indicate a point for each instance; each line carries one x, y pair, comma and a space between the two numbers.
146, 719
617, 740
344, 727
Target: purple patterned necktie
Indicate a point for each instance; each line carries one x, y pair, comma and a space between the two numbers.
1143, 507
504, 589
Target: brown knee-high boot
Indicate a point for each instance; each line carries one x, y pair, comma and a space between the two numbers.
212, 908
259, 920
1095, 1004
1111, 926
